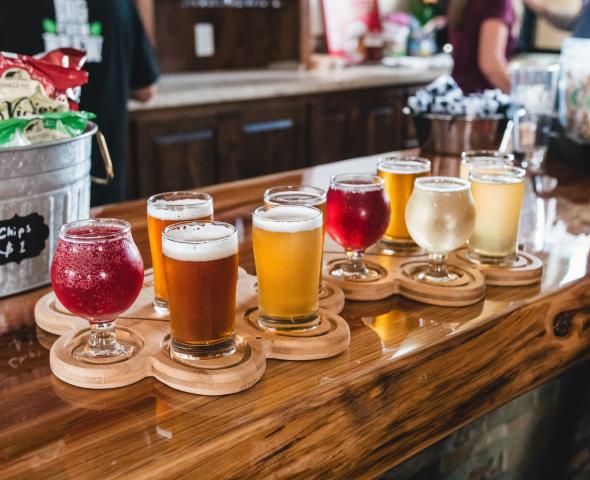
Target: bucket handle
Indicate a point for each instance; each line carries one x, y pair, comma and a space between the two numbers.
106, 159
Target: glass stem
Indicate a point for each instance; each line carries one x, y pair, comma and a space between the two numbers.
356, 260
437, 266
102, 337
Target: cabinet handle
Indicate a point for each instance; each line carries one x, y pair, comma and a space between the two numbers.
263, 127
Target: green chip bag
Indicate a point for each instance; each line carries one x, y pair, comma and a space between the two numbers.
46, 127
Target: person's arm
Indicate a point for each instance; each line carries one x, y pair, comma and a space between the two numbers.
491, 57
144, 94
563, 21
144, 67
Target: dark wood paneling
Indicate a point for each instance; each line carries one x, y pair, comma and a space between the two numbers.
176, 152
244, 38
272, 140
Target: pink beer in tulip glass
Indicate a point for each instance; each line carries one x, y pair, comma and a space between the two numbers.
357, 217
97, 273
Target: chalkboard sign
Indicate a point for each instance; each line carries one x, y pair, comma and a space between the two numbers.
22, 237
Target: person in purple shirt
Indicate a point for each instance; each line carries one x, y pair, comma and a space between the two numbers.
481, 33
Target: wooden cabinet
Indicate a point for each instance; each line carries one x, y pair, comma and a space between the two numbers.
194, 146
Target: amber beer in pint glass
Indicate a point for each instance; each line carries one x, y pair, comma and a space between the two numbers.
498, 194
165, 209
287, 243
201, 266
399, 173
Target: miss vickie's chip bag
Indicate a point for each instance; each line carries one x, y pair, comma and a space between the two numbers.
36, 85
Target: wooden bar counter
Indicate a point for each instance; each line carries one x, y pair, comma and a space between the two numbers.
413, 373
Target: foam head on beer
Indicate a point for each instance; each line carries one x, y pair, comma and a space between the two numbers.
199, 242
180, 209
288, 219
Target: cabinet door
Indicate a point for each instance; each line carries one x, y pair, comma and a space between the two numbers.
382, 118
272, 138
175, 152
332, 135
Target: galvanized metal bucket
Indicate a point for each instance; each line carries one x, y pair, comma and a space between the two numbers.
41, 188
446, 135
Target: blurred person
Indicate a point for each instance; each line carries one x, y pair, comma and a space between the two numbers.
483, 36
578, 23
121, 64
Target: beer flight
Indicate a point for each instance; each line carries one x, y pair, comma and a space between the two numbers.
97, 271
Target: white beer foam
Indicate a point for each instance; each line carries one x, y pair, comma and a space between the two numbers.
177, 244
288, 219
405, 168
442, 184
181, 209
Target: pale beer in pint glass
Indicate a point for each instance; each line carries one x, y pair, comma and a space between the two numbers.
399, 173
201, 267
287, 242
483, 158
163, 210
498, 194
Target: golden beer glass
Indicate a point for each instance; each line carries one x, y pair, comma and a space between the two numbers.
163, 210
498, 193
287, 241
201, 267
301, 195
440, 217
483, 158
399, 173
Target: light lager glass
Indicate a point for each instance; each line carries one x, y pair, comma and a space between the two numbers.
287, 241
163, 210
201, 267
498, 195
483, 158
399, 174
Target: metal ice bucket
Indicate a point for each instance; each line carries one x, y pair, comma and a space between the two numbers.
446, 135
41, 188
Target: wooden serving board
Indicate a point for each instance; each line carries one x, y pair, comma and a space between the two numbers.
222, 376
396, 278
527, 270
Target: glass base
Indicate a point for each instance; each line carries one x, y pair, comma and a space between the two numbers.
424, 274
188, 352
294, 324
479, 259
161, 306
101, 346
342, 271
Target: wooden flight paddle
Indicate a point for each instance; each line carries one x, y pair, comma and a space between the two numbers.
526, 270
220, 376
396, 278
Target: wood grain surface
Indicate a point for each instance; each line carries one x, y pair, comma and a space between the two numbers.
412, 375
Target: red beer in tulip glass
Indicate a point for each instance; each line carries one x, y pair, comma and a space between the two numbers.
357, 217
97, 273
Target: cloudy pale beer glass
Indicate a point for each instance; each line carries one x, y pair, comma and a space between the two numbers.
201, 267
399, 173
163, 210
498, 195
287, 242
440, 217
483, 158
300, 195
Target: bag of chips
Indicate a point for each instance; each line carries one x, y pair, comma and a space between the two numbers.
33, 86
19, 131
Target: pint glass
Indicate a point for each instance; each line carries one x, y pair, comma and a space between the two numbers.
165, 209
399, 173
498, 194
287, 242
483, 158
201, 267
